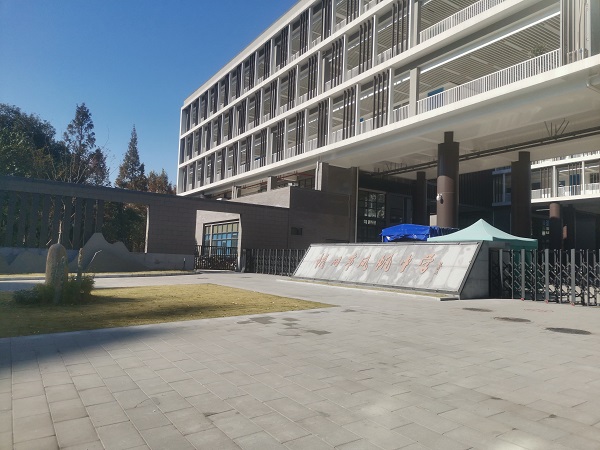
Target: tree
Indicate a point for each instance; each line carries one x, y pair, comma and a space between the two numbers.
131, 171
27, 144
85, 162
159, 183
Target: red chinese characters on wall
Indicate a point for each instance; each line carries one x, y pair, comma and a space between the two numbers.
385, 262
425, 262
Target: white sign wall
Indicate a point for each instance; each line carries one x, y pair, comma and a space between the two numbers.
441, 267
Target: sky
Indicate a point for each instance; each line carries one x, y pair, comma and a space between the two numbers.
132, 62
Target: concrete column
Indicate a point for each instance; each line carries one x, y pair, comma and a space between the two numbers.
521, 196
413, 91
420, 215
569, 227
414, 23
322, 176
271, 183
447, 182
556, 227
375, 46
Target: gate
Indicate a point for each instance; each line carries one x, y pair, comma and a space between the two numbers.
273, 261
216, 258
561, 276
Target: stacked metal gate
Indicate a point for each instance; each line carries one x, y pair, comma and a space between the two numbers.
571, 276
273, 261
216, 258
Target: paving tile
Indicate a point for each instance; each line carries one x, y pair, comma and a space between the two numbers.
32, 427
23, 376
259, 441
61, 392
429, 438
170, 401
67, 410
378, 435
119, 436
248, 406
209, 404
28, 389
188, 388
106, 414
30, 406
146, 417
45, 443
327, 430
172, 374
132, 399
189, 421
5, 421
75, 432
140, 373
95, 396
306, 442
120, 383
280, 427
110, 371
361, 444
334, 412
262, 392
5, 401
166, 438
96, 445
6, 440
234, 425
212, 439
290, 409
81, 369
83, 382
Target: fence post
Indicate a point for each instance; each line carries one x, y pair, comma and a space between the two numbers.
547, 274
572, 276
500, 265
522, 274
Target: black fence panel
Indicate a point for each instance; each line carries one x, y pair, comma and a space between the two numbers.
273, 261
216, 258
561, 276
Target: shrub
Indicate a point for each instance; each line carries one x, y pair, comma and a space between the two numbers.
72, 293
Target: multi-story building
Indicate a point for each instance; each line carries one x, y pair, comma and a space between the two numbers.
367, 100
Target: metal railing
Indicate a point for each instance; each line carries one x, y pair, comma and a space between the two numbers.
341, 25
401, 113
562, 276
327, 86
317, 41
383, 57
303, 98
273, 261
215, 258
337, 136
456, 19
352, 73
541, 193
311, 145
513, 74
366, 126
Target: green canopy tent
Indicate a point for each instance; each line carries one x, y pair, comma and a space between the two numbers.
483, 231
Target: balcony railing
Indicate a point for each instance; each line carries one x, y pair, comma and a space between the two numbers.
352, 73
295, 56
541, 193
317, 41
592, 188
383, 57
568, 191
311, 145
458, 18
366, 126
341, 25
513, 74
302, 98
336, 136
401, 113
369, 5
327, 86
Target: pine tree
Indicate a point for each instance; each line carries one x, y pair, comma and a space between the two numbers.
84, 162
131, 171
159, 183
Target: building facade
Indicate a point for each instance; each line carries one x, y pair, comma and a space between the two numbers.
374, 100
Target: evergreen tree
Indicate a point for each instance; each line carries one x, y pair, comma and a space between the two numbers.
131, 171
84, 163
159, 183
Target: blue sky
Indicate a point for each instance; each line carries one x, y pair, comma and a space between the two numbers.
130, 61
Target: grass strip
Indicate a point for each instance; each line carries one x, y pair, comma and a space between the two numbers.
122, 307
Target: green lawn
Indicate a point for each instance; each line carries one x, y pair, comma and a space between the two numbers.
121, 307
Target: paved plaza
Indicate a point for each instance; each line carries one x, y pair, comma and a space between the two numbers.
380, 370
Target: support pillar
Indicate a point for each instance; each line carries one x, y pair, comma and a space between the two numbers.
271, 183
420, 216
556, 227
321, 176
569, 227
413, 89
447, 182
521, 196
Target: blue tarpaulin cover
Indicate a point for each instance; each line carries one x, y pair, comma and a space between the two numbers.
412, 232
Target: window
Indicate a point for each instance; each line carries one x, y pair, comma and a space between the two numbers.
223, 235
296, 231
370, 215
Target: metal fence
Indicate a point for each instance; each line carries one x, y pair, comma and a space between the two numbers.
571, 276
273, 261
216, 258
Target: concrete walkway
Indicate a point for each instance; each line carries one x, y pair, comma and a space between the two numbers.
379, 371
